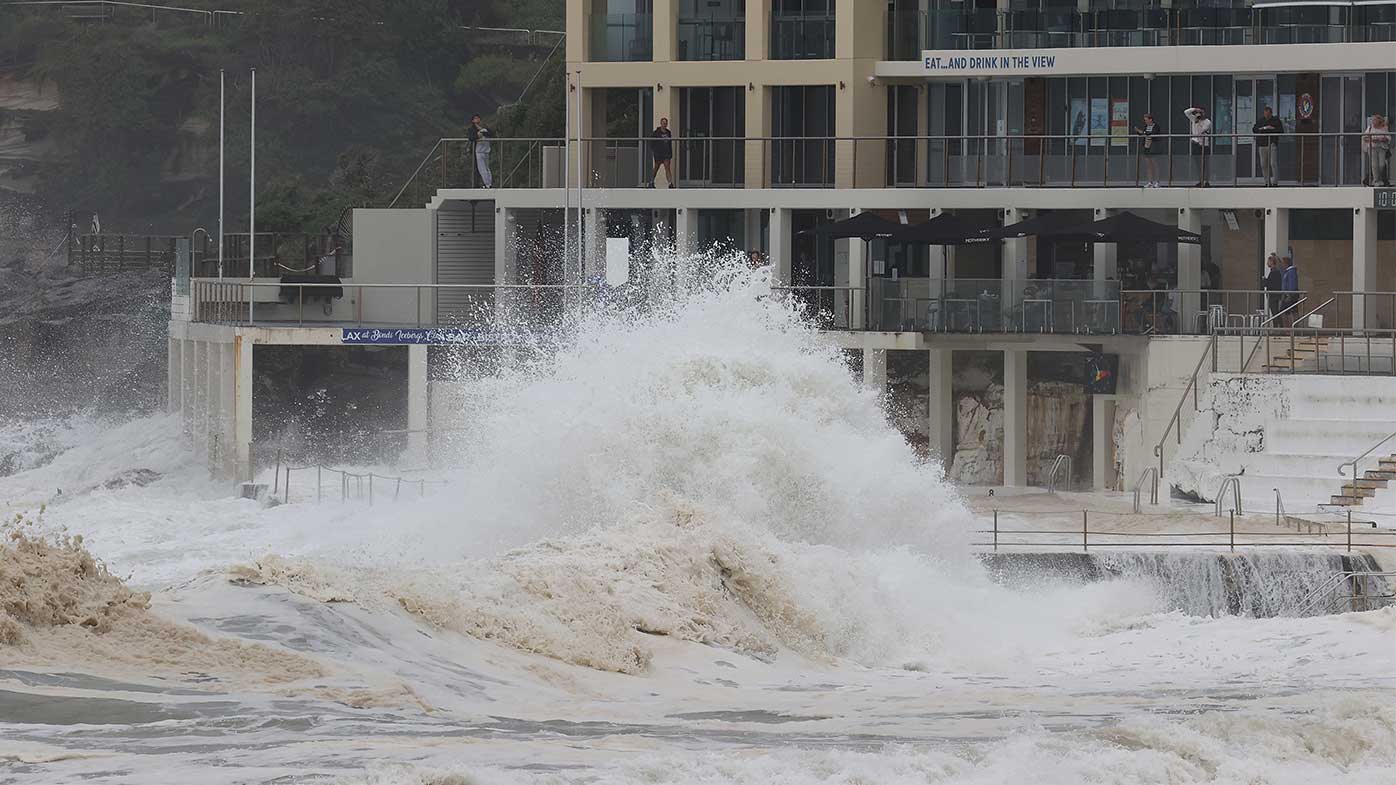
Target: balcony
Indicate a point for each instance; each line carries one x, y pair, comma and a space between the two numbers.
621, 38
803, 37
709, 38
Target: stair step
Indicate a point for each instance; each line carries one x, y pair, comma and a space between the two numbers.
1368, 482
1380, 474
1346, 501
1358, 490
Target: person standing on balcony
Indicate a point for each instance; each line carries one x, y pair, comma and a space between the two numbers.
662, 148
480, 137
1376, 143
1147, 150
1201, 138
1267, 140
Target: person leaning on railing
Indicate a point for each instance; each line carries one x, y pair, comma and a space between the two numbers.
1376, 143
1201, 138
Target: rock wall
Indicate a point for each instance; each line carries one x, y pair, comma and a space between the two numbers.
1059, 417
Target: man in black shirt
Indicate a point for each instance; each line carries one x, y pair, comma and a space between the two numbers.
1267, 140
662, 148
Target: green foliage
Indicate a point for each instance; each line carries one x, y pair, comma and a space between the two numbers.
350, 95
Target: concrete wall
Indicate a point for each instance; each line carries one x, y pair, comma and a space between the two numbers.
394, 246
1151, 387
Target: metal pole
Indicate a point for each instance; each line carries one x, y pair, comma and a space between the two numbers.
1349, 531
1085, 534
287, 486
276, 474
221, 108
996, 530
397, 490
252, 200
1232, 515
581, 262
317, 483
370, 489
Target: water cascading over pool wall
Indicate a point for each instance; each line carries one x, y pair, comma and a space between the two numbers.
1262, 583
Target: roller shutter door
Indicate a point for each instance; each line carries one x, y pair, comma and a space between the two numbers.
464, 255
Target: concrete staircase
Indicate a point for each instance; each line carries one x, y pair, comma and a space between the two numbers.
1307, 354
1372, 482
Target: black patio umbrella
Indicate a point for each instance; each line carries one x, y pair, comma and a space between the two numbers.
945, 229
863, 226
1045, 223
1124, 228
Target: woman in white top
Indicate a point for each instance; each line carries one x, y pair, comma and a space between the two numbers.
1376, 143
1201, 138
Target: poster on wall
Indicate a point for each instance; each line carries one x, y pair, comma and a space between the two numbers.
1245, 116
1100, 121
1079, 120
1119, 122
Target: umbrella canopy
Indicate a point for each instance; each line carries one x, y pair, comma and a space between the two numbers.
1124, 228
1046, 223
864, 226
945, 229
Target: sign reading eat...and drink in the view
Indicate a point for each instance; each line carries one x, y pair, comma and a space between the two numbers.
434, 336
953, 63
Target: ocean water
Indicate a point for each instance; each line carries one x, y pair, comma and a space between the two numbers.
684, 548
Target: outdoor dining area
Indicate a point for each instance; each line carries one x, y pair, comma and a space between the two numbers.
942, 302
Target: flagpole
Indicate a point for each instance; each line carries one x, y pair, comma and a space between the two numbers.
252, 210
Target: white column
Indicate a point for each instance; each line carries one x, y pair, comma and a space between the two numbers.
213, 381
941, 404
1103, 443
186, 384
506, 250
418, 402
595, 242
852, 273
242, 405
1015, 418
875, 370
780, 227
1014, 269
1106, 255
227, 409
1189, 271
1364, 265
1276, 235
685, 231
942, 257
199, 422
174, 376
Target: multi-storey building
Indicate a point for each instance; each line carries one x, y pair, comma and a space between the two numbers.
788, 115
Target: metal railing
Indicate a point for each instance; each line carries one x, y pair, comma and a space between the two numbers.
352, 485
1325, 598
1150, 472
1175, 423
1342, 467
827, 307
910, 32
1055, 470
495, 310
1232, 483
934, 161
1086, 537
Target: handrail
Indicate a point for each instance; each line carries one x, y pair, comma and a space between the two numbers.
1052, 472
1325, 304
430, 154
1232, 481
1314, 599
1247, 363
1153, 496
1280, 513
1353, 463
1176, 419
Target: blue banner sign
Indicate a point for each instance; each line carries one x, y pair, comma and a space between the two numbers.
454, 336
959, 63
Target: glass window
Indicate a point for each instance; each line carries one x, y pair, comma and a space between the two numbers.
802, 30
711, 30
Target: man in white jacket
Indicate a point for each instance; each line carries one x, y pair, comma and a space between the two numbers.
1201, 138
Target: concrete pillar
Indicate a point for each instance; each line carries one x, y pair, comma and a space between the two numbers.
1364, 267
199, 421
923, 131
418, 402
1014, 268
1276, 235
227, 404
856, 302
1189, 271
186, 384
781, 225
1015, 418
214, 395
758, 29
875, 370
685, 231
758, 126
666, 28
594, 243
1106, 256
941, 405
942, 257
1102, 443
242, 406
174, 382
579, 32
506, 266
